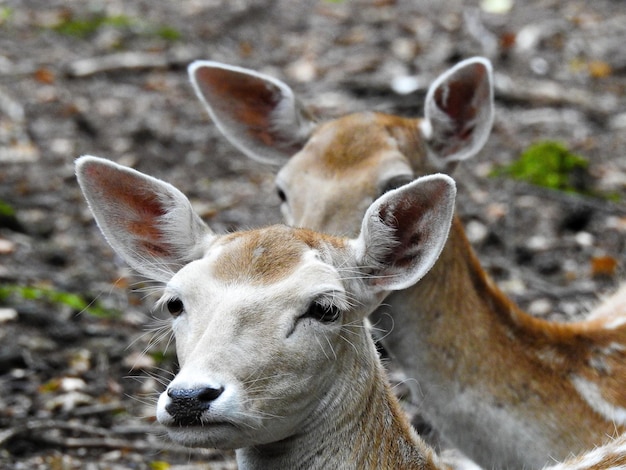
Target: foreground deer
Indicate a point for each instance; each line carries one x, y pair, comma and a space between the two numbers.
275, 359
508, 389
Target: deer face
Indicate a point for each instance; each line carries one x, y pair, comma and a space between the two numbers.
259, 322
268, 323
343, 168
331, 172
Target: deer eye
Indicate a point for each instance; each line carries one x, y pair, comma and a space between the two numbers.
322, 313
175, 307
281, 194
396, 182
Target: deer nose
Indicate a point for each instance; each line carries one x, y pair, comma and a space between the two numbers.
186, 405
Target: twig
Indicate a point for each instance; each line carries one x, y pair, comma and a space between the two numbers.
555, 94
128, 61
97, 409
38, 430
572, 199
114, 443
115, 62
508, 89
47, 424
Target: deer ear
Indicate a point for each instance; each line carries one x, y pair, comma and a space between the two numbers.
258, 114
458, 113
148, 222
404, 231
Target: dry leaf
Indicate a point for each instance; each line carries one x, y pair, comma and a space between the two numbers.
599, 69
603, 266
44, 75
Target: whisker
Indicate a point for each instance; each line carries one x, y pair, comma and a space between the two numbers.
321, 347
349, 342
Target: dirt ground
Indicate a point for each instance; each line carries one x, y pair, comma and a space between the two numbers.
108, 78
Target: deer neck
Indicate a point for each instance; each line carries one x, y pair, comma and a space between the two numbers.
457, 290
359, 422
481, 363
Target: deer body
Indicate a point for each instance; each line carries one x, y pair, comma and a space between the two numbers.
483, 365
275, 360
508, 389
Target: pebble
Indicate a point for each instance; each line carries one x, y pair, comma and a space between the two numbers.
540, 307
6, 246
476, 232
7, 314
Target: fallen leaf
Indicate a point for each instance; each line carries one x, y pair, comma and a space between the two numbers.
599, 69
246, 49
507, 40
44, 75
603, 266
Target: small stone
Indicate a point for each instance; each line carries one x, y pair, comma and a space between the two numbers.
476, 232
7, 314
584, 239
540, 307
72, 384
6, 246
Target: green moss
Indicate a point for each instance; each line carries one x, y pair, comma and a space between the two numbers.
86, 27
6, 210
53, 296
5, 14
168, 33
549, 164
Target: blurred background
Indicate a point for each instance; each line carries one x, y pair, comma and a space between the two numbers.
81, 356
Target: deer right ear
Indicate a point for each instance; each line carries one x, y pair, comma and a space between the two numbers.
258, 114
148, 222
404, 231
458, 112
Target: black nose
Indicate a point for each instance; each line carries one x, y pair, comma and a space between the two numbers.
187, 404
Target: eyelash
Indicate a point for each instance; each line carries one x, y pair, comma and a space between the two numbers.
322, 312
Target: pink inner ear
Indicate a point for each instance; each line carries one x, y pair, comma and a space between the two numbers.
461, 98
458, 97
242, 100
142, 223
409, 242
137, 210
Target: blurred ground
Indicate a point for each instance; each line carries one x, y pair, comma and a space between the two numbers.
108, 78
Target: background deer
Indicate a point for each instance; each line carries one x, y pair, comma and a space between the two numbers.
508, 389
275, 360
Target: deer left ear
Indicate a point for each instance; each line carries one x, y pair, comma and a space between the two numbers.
148, 222
404, 231
458, 112
257, 113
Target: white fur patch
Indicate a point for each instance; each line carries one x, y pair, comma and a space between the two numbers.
615, 323
597, 458
593, 396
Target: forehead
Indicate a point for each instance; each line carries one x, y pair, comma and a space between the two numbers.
269, 255
356, 146
350, 141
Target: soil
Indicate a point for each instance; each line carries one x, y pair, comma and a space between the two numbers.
108, 78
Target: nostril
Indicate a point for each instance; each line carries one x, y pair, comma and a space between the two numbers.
209, 394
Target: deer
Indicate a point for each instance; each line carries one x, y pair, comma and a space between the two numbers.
275, 358
508, 389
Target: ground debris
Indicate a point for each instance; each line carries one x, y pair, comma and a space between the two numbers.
78, 387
